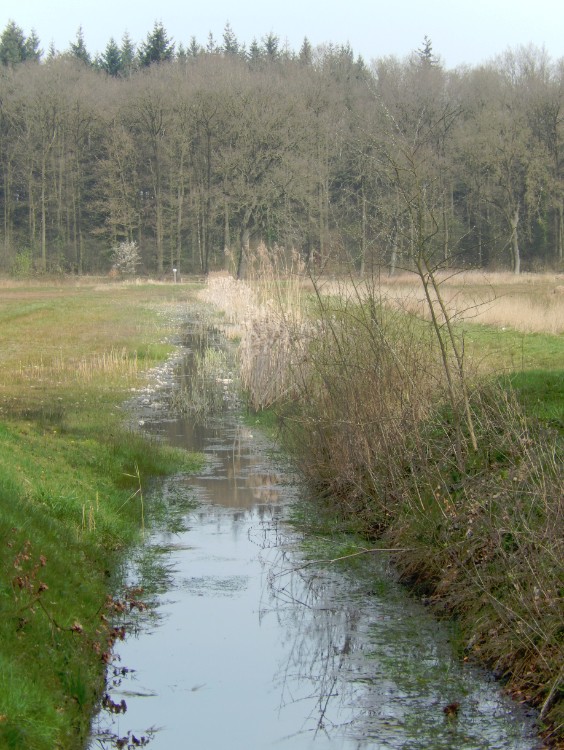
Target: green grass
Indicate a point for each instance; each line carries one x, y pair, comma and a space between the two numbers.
529, 363
506, 350
69, 511
541, 393
267, 420
70, 505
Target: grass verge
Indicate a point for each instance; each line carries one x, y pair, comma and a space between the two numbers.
70, 499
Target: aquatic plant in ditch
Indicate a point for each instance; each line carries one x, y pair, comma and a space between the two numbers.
208, 383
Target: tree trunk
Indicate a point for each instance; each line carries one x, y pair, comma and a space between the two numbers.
226, 232
363, 241
394, 253
180, 206
244, 252
515, 241
7, 211
560, 232
43, 218
32, 222
448, 210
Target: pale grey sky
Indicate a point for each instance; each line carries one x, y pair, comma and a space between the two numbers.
462, 31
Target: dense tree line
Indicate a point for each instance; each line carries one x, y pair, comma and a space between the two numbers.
197, 153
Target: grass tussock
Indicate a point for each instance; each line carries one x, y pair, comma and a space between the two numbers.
406, 432
71, 500
113, 363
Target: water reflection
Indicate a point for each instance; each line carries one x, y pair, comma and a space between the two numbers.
255, 650
383, 670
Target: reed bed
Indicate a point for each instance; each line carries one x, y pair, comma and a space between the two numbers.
530, 303
267, 316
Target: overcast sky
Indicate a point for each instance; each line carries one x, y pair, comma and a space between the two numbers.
462, 31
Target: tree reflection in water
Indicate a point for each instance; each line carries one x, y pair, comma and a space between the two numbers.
380, 668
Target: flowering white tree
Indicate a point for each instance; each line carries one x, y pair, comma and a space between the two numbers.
126, 258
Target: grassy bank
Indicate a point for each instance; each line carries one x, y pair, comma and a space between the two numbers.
464, 483
71, 490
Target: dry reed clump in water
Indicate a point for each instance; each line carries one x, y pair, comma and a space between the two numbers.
271, 344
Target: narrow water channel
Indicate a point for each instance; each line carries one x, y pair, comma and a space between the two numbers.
248, 649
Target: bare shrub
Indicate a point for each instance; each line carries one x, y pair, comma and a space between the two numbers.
369, 377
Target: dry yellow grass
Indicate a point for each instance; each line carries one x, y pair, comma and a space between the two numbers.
530, 303
82, 369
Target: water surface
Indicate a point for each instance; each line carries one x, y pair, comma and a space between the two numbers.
249, 649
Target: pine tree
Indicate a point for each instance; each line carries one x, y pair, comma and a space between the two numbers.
194, 49
32, 49
211, 46
110, 60
425, 53
78, 48
157, 48
181, 53
255, 54
271, 45
127, 54
230, 43
12, 45
306, 53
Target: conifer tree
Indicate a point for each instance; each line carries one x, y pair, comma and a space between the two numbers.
425, 53
78, 48
157, 48
32, 49
211, 46
110, 60
306, 55
127, 54
12, 45
230, 43
255, 53
181, 53
194, 49
271, 45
